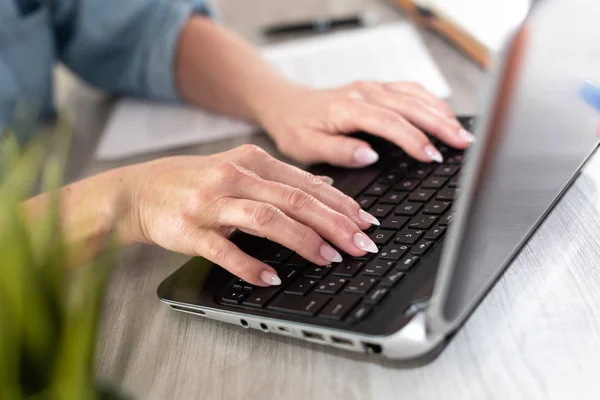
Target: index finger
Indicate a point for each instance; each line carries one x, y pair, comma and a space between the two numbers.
278, 171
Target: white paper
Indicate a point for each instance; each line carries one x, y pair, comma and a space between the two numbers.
488, 21
390, 52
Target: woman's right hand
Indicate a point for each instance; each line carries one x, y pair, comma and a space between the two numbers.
192, 204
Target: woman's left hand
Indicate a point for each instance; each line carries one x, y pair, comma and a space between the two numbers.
312, 125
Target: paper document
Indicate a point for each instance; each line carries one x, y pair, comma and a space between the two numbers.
390, 52
489, 22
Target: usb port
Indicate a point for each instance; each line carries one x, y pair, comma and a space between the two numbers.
341, 341
313, 336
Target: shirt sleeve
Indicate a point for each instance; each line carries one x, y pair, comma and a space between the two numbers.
125, 47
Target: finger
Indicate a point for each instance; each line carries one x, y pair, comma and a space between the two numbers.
310, 212
327, 179
418, 90
341, 151
422, 115
275, 225
269, 168
357, 114
214, 247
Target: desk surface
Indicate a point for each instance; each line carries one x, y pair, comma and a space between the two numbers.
536, 335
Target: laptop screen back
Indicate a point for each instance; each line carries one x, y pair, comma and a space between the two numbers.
535, 134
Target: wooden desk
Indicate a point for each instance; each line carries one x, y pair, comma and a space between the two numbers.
536, 336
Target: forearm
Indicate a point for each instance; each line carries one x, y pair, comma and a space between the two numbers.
90, 211
217, 70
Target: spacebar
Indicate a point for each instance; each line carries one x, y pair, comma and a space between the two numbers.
294, 304
354, 182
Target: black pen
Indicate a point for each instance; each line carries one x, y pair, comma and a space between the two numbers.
320, 25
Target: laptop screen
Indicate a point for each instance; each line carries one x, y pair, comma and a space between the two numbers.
535, 134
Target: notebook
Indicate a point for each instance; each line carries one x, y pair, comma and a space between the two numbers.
389, 52
478, 27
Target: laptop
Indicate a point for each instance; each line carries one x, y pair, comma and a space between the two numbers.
448, 230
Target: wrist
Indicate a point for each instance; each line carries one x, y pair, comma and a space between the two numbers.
270, 107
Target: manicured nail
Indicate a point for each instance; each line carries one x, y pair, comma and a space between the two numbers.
270, 278
329, 253
364, 156
327, 179
466, 135
363, 242
365, 216
433, 153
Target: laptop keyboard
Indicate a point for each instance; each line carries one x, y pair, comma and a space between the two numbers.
413, 202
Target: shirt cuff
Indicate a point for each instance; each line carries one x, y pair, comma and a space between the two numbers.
160, 75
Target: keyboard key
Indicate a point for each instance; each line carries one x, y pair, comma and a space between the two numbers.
297, 261
408, 236
361, 285
454, 159
240, 284
302, 305
393, 198
360, 313
407, 208
406, 185
376, 189
378, 267
445, 150
435, 233
339, 307
381, 211
435, 182
381, 237
423, 195
447, 194
392, 279
366, 202
278, 256
403, 165
287, 274
393, 251
436, 207
446, 170
233, 296
453, 182
446, 219
390, 178
331, 285
422, 221
422, 247
393, 222
301, 286
376, 295
349, 268
420, 172
407, 263
260, 296
316, 271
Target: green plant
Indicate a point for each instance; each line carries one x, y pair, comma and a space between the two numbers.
48, 314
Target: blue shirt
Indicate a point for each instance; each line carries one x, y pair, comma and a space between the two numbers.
122, 46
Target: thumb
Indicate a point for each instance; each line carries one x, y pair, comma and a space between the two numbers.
342, 151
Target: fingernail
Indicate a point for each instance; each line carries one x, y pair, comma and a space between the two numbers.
365, 216
363, 242
270, 278
466, 135
364, 156
433, 153
327, 179
329, 253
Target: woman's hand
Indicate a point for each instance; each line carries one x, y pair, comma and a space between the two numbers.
309, 125
192, 204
